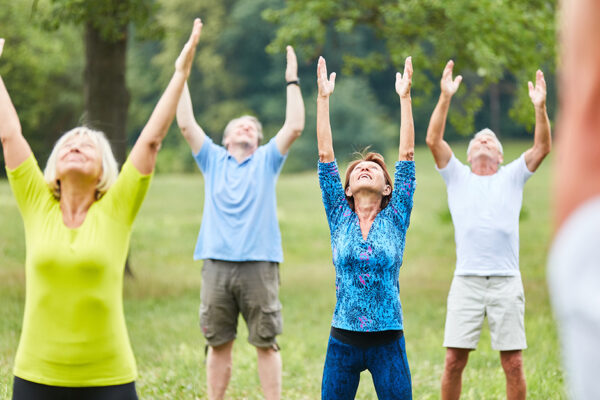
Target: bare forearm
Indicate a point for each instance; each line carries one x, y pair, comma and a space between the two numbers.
185, 110
294, 109
157, 126
542, 136
324, 138
15, 147
437, 123
144, 152
407, 131
9, 120
294, 119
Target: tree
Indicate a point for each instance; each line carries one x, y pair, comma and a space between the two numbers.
487, 39
106, 24
42, 75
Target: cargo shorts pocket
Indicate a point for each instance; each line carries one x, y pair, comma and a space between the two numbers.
206, 322
271, 321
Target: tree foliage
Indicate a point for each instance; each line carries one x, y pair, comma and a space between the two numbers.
488, 39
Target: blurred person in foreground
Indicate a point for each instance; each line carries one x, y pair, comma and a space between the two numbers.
239, 239
368, 218
485, 201
574, 261
78, 216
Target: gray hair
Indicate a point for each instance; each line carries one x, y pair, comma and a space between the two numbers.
235, 121
110, 169
488, 132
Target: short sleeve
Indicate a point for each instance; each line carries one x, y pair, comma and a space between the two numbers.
28, 186
208, 152
518, 170
273, 157
452, 170
126, 195
332, 192
400, 206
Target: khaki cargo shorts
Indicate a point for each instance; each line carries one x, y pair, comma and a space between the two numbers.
248, 287
472, 298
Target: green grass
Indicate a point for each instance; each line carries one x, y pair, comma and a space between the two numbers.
161, 303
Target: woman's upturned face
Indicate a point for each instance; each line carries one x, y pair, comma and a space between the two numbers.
79, 155
368, 176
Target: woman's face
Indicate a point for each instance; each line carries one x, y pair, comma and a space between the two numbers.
367, 176
79, 155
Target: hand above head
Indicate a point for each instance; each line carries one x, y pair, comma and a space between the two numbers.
291, 69
325, 85
186, 57
403, 81
1, 46
538, 93
448, 85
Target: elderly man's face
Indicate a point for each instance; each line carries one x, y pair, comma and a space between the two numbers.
485, 146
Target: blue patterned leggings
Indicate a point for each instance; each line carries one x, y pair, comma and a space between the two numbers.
387, 363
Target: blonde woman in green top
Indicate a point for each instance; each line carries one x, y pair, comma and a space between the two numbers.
77, 218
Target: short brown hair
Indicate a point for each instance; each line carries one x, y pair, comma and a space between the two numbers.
378, 159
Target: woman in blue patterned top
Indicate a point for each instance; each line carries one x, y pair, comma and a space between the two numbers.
368, 218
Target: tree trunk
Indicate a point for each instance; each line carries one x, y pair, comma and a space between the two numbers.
105, 91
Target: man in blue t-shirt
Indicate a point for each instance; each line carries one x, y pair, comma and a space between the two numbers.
239, 239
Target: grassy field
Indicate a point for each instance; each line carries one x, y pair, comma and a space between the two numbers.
162, 301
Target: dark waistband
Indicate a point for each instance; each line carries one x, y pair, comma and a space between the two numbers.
366, 339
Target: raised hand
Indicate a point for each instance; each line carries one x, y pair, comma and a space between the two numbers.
538, 93
325, 85
403, 81
291, 69
448, 85
1, 46
186, 57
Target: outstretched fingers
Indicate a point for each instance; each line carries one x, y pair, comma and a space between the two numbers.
408, 68
291, 69
404, 80
325, 85
186, 58
537, 92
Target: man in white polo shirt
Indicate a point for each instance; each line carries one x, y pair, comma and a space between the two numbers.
485, 202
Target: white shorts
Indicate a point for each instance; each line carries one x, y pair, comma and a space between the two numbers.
472, 298
574, 279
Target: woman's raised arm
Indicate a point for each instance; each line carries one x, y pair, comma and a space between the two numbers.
143, 154
326, 86
16, 149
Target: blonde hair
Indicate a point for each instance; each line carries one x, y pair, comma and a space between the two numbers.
110, 169
488, 132
235, 121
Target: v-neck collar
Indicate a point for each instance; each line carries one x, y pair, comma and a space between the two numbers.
357, 223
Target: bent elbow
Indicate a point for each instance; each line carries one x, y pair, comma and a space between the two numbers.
430, 142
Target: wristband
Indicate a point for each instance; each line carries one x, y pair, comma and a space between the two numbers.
296, 82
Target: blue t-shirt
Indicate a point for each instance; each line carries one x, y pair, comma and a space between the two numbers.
239, 222
366, 271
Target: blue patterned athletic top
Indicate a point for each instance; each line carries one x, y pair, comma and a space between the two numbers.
366, 272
